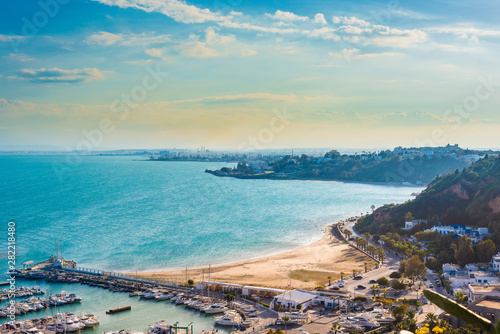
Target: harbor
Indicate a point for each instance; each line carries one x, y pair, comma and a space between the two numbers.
120, 303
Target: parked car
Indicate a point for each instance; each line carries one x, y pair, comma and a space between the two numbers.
361, 287
335, 288
357, 278
425, 279
431, 286
373, 281
340, 285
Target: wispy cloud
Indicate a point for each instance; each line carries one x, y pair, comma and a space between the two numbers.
10, 38
177, 10
286, 16
57, 75
19, 57
106, 38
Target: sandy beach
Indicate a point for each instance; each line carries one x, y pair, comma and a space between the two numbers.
310, 266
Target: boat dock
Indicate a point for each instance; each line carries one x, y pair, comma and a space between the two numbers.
119, 309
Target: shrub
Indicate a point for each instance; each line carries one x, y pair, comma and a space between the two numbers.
383, 281
395, 274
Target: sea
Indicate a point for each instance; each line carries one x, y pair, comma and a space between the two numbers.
128, 214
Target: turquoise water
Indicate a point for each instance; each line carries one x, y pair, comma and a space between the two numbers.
118, 214
115, 213
97, 301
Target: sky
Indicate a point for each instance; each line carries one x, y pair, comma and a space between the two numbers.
240, 74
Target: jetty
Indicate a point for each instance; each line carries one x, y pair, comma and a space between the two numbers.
119, 309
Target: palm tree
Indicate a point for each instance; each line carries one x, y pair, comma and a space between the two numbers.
286, 319
342, 275
335, 328
354, 273
373, 208
385, 292
366, 264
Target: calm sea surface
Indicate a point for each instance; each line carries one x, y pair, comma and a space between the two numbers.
115, 213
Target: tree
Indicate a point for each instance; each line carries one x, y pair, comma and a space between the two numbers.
433, 264
464, 253
383, 281
409, 217
415, 268
342, 275
395, 274
375, 289
402, 266
373, 208
385, 292
397, 285
399, 312
335, 328
460, 297
380, 254
190, 282
366, 266
286, 319
329, 278
347, 233
485, 250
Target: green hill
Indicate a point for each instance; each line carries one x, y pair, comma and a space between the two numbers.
470, 197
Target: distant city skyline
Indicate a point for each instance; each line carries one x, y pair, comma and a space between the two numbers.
235, 74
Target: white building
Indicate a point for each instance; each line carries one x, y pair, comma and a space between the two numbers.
495, 262
475, 234
292, 299
474, 291
411, 224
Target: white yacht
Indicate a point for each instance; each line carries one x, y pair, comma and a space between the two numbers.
214, 308
230, 318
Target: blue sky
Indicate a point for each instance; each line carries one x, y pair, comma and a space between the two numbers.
347, 73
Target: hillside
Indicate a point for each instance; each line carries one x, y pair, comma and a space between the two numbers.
470, 197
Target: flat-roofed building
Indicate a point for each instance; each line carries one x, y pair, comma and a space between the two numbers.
487, 307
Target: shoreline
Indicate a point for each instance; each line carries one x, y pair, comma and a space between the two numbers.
309, 266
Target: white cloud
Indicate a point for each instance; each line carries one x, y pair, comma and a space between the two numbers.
57, 75
320, 18
471, 33
19, 57
399, 38
175, 9
105, 39
10, 38
154, 52
325, 33
214, 38
198, 50
248, 26
286, 16
350, 21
